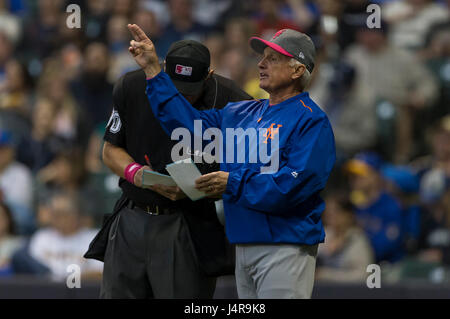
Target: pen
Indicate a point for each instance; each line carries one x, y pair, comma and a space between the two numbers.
147, 160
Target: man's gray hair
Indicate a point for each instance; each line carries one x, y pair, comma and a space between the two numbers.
303, 81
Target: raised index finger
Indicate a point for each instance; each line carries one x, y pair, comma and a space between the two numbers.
133, 32
137, 33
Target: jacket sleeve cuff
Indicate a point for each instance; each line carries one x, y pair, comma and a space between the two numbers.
160, 79
233, 185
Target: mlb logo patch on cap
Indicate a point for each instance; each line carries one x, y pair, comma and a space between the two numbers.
183, 70
187, 64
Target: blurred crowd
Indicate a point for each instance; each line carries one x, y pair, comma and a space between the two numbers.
385, 90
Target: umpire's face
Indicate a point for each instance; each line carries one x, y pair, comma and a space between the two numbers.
276, 73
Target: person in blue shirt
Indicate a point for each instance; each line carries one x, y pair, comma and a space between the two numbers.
272, 211
403, 183
378, 212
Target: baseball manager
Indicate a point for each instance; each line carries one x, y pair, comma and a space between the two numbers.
274, 219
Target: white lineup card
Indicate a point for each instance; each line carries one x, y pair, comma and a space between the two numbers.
150, 178
184, 173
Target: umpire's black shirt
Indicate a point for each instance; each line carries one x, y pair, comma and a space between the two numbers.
133, 127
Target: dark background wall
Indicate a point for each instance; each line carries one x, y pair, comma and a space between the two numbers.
30, 288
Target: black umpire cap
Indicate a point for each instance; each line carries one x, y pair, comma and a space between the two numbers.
187, 64
291, 43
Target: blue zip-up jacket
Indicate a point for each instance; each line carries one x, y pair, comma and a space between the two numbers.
283, 206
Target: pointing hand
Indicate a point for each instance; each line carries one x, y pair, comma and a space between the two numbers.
143, 51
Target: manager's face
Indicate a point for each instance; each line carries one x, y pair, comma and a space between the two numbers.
275, 73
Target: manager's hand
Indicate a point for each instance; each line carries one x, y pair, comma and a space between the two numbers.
213, 184
143, 51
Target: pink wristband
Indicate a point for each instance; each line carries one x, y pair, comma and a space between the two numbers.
131, 170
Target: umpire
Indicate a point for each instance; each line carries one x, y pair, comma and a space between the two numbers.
158, 243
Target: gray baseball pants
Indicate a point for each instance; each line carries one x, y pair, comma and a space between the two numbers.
275, 271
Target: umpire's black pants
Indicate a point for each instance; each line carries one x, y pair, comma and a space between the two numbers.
152, 256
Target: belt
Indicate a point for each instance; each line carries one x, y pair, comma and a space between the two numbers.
150, 209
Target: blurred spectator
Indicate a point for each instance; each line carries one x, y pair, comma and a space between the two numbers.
269, 20
92, 90
160, 9
233, 66
64, 242
118, 42
235, 62
67, 36
346, 253
354, 13
237, 33
117, 34
379, 213
41, 31
18, 7
411, 19
9, 23
304, 13
182, 26
434, 241
71, 123
350, 106
15, 185
215, 42
43, 213
101, 184
328, 58
148, 22
403, 184
96, 19
15, 94
121, 61
395, 76
39, 148
94, 163
65, 172
209, 12
434, 169
436, 55
339, 19
325, 30
123, 7
71, 61
6, 50
9, 242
